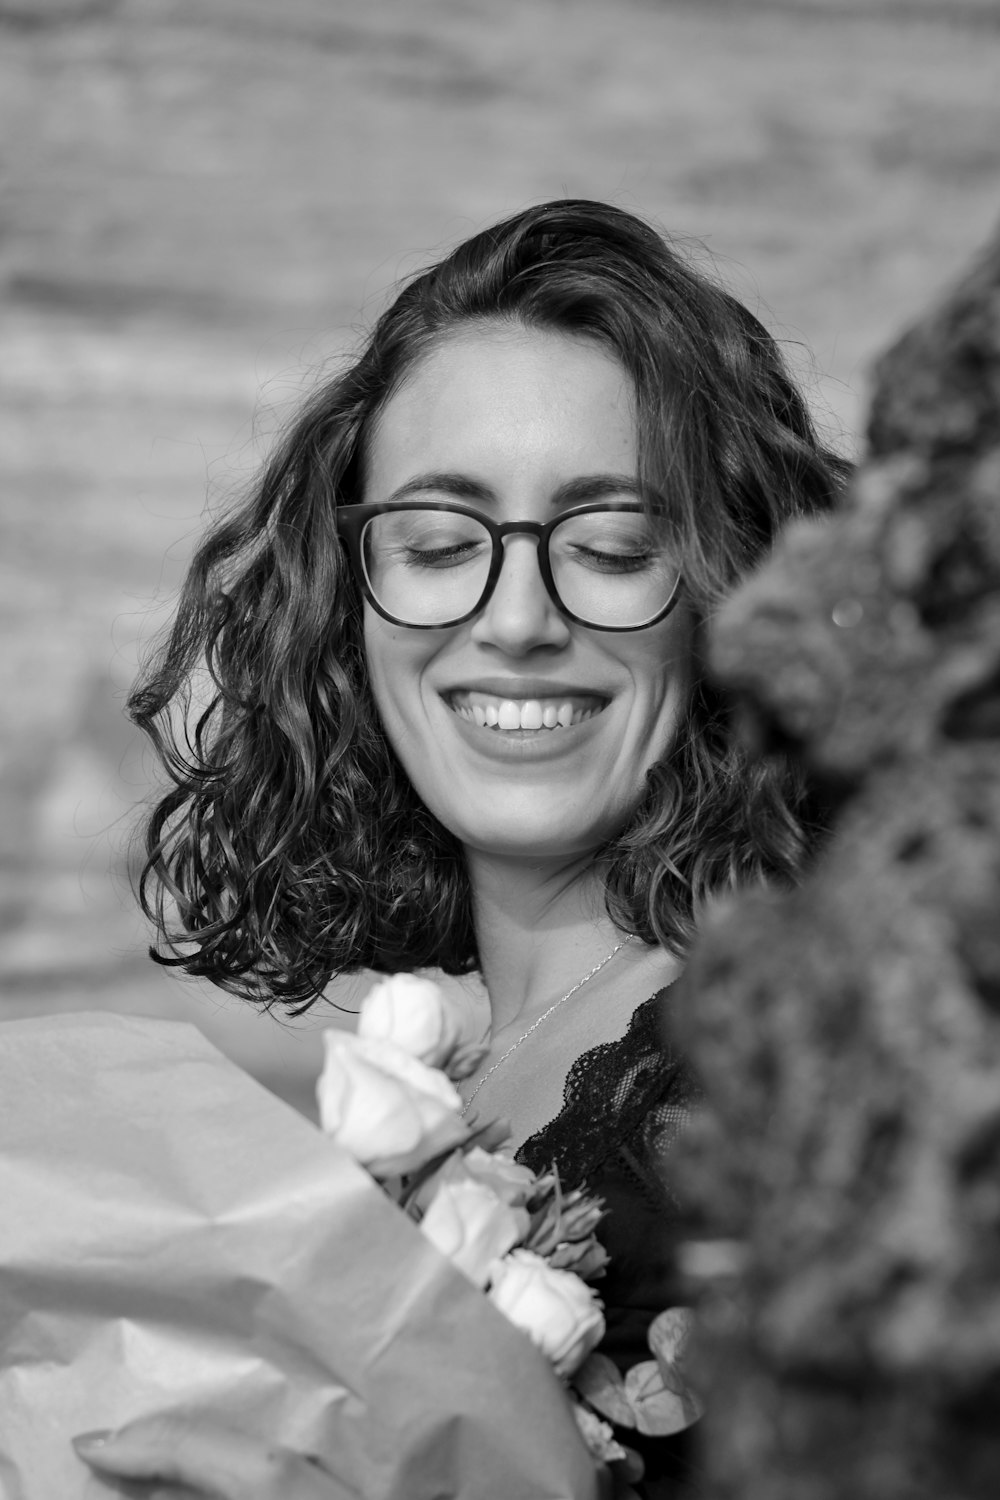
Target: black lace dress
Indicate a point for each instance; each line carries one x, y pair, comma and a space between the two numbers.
624, 1104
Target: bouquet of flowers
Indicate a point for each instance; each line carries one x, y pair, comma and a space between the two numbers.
387, 1095
177, 1240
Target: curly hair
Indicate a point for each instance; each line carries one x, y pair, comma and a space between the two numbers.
291, 846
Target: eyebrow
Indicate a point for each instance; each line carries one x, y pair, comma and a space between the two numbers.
580, 491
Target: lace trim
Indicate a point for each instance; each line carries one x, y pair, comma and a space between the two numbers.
629, 1097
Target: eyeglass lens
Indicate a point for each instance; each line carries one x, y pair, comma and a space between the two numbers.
428, 567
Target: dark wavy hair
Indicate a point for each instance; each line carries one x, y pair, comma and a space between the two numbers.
291, 846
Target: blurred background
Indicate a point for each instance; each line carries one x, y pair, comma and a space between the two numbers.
204, 201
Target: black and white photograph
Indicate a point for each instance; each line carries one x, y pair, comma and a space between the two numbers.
500, 750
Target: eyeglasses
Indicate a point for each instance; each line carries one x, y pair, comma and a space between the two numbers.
431, 564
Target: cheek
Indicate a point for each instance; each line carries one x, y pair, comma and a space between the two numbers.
395, 660
666, 672
382, 660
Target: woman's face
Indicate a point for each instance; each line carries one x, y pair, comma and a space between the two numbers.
511, 417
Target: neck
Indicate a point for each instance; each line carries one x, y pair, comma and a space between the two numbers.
540, 927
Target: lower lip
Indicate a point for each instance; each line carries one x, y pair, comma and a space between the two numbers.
525, 744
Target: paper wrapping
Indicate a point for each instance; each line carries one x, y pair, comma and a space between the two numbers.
174, 1236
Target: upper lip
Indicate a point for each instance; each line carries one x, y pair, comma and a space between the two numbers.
524, 687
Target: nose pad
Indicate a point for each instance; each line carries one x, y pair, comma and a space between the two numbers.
519, 614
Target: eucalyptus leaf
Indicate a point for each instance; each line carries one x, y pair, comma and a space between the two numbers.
599, 1381
657, 1411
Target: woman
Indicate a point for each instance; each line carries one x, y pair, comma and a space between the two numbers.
457, 716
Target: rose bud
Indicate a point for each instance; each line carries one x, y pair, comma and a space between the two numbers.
417, 1015
469, 1224
555, 1309
511, 1182
390, 1111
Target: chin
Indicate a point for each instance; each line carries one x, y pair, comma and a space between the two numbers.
545, 844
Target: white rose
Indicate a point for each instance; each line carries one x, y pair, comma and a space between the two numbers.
469, 1224
414, 1014
555, 1309
388, 1109
498, 1171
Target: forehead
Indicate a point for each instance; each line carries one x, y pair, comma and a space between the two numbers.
505, 404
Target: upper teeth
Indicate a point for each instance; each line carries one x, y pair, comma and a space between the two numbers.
524, 713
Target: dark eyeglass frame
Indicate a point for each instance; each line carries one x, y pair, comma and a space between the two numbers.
351, 520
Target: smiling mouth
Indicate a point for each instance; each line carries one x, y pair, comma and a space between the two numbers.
489, 712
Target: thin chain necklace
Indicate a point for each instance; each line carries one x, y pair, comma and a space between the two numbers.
544, 1017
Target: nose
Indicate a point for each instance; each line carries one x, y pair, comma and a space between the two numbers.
519, 617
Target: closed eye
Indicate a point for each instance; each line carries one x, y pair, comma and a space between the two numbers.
612, 562
439, 557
